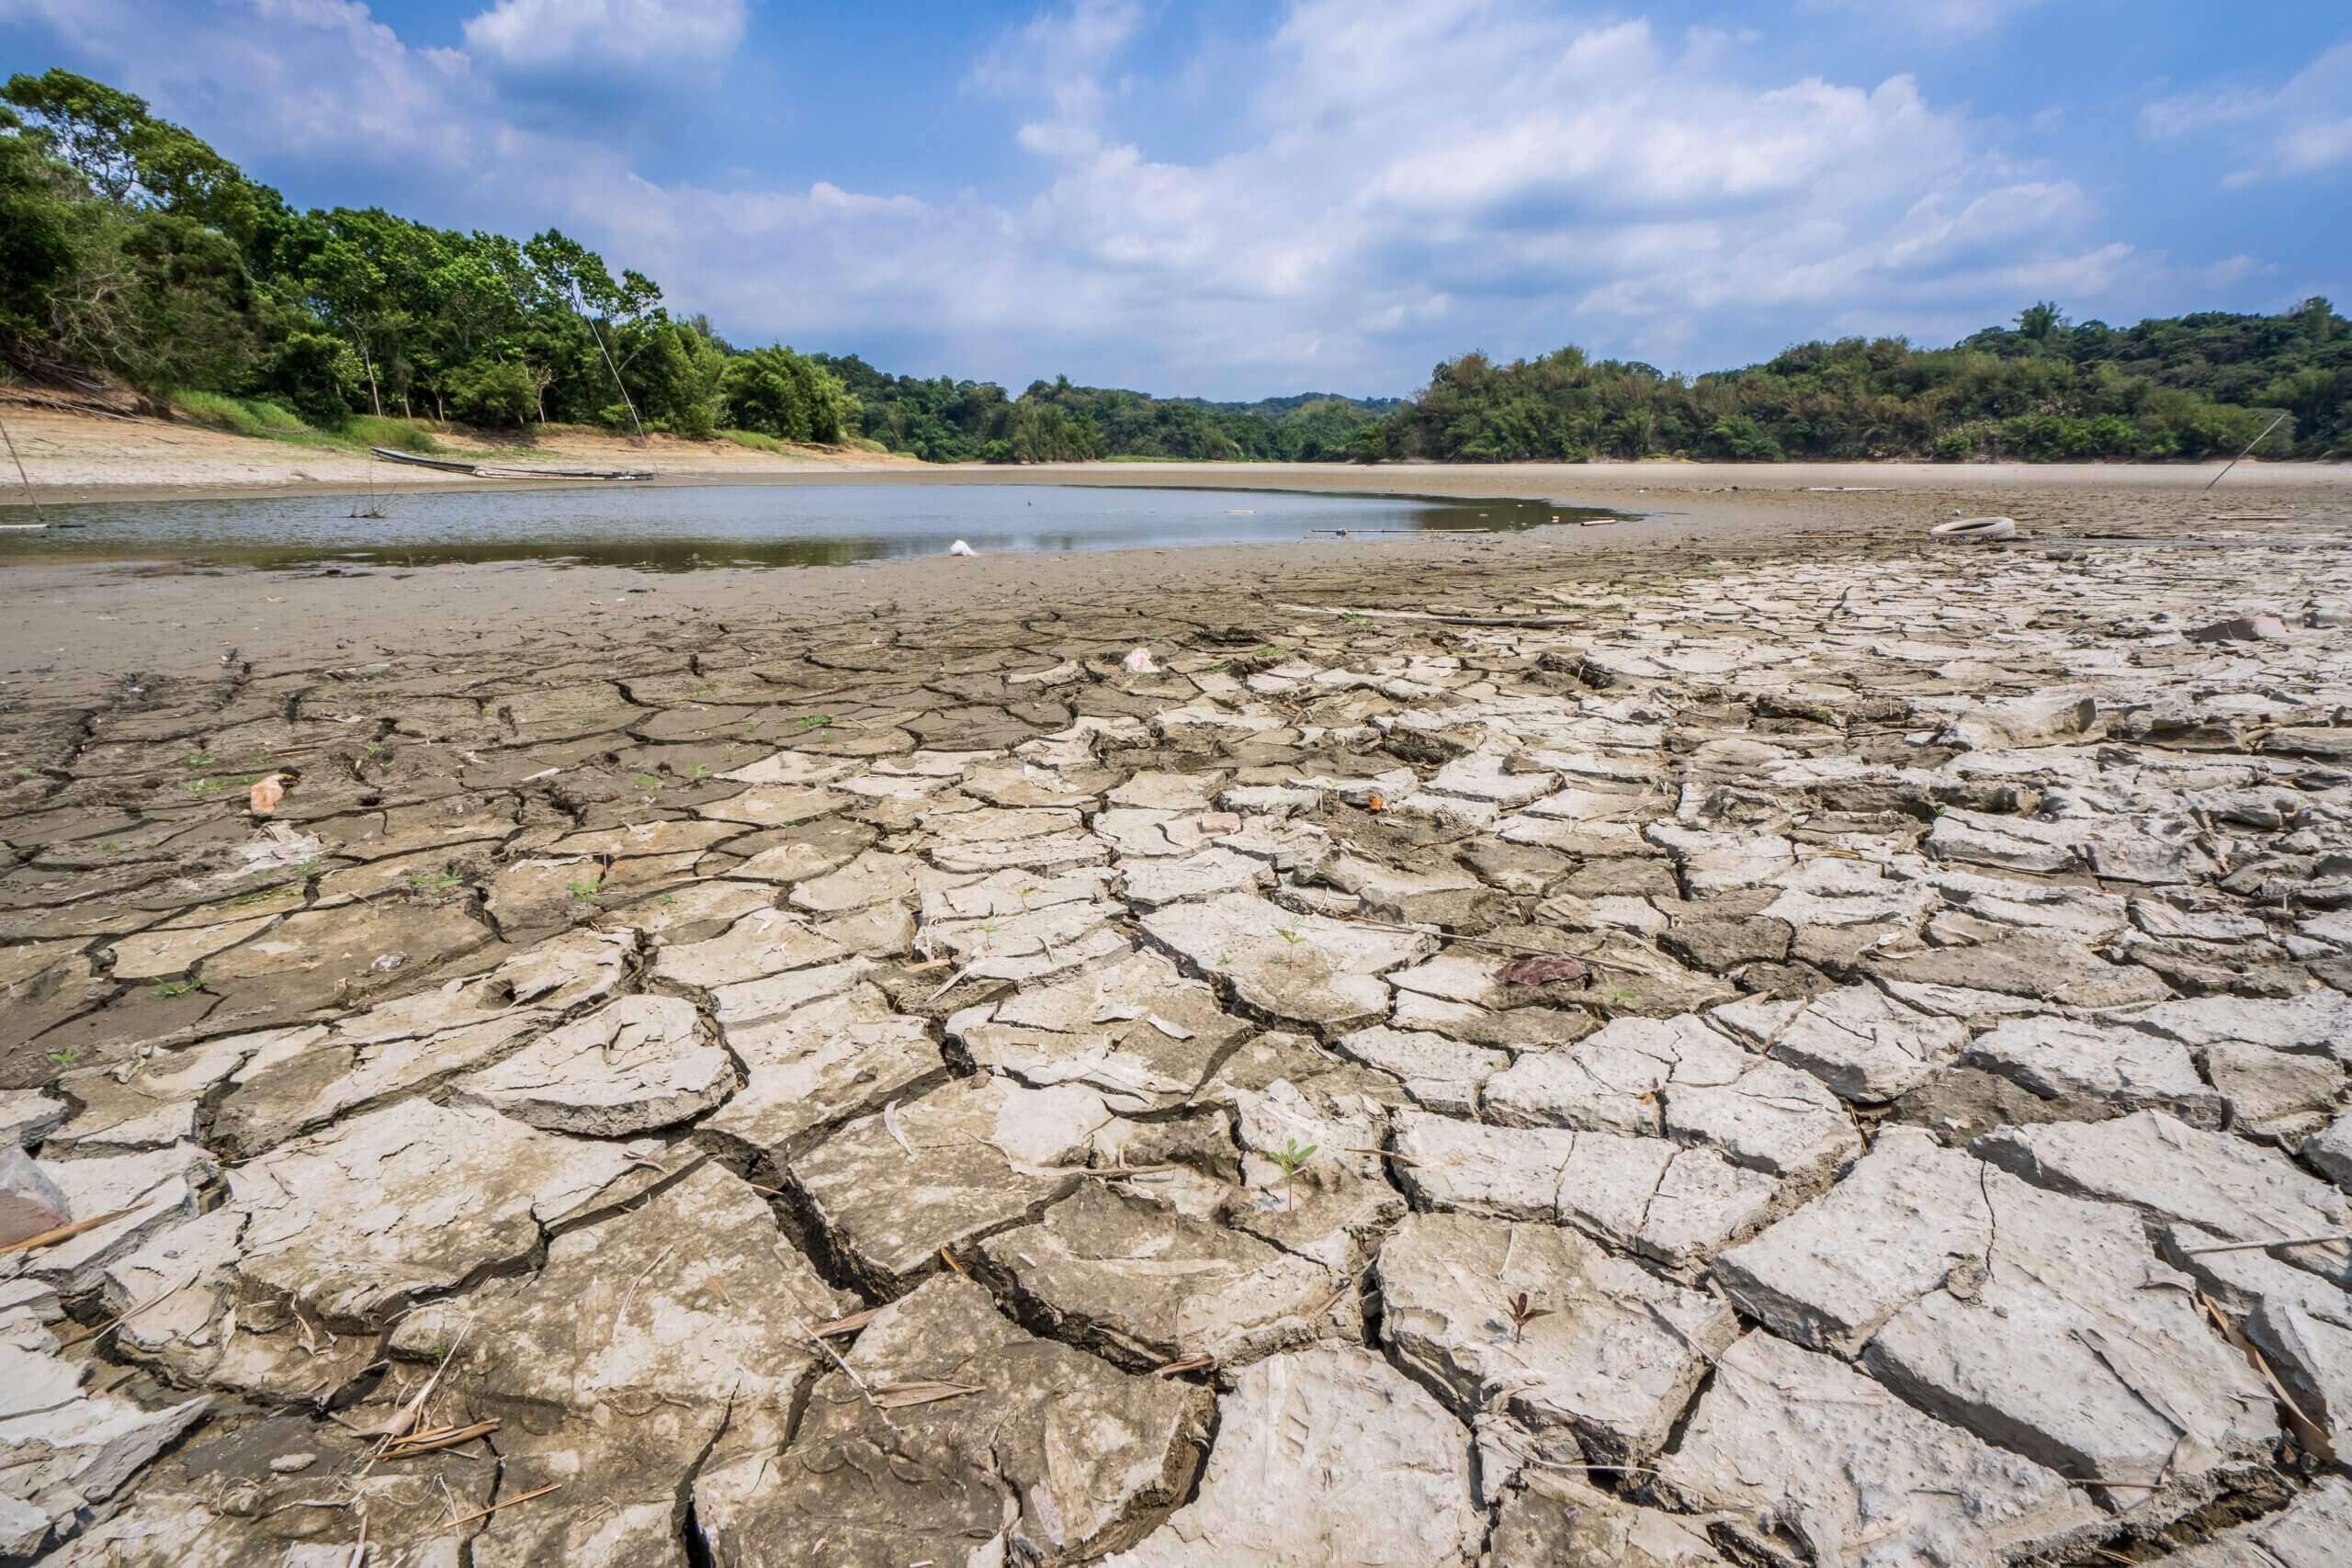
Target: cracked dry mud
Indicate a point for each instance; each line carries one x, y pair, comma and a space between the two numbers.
1130, 1076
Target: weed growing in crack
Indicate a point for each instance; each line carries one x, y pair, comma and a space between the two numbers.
66, 1055
1293, 939
697, 771
814, 721
1522, 1315
195, 759
200, 787
170, 988
373, 749
1292, 1159
583, 889
647, 781
435, 882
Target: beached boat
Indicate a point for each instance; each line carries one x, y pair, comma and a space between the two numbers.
504, 471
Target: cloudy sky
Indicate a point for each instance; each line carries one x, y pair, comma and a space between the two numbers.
1234, 200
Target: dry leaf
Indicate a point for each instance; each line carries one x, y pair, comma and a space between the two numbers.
1375, 801
267, 791
1542, 969
850, 1323
921, 1391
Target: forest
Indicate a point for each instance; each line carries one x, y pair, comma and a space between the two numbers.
133, 254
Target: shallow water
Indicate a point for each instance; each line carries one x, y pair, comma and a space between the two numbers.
686, 528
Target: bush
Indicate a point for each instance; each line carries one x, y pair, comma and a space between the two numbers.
501, 395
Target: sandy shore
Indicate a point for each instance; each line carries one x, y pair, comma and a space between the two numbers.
77, 457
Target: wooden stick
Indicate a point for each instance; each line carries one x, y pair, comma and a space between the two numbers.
2240, 456
2275, 1241
64, 1233
485, 1513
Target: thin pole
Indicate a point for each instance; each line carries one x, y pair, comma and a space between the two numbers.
21, 477
626, 402
2249, 446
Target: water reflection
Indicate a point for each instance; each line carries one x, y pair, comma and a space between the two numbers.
698, 528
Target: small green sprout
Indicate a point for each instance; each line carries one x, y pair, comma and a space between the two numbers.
814, 721
1292, 1159
647, 781
196, 759
66, 1055
435, 882
583, 888
170, 988
200, 787
109, 847
698, 771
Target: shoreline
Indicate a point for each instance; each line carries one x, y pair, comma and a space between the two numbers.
1527, 482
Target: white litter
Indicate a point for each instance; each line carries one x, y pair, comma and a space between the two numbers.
1139, 663
960, 548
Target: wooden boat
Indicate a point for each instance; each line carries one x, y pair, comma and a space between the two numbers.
501, 471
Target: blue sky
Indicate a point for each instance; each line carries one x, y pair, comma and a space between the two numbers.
1236, 200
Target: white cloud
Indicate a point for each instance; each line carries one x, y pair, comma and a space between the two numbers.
2302, 126
1953, 19
556, 36
1395, 180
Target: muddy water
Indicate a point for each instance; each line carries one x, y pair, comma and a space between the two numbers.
686, 529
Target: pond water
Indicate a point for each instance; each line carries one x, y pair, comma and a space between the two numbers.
685, 528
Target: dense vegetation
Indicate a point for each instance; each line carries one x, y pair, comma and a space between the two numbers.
2188, 387
953, 421
130, 248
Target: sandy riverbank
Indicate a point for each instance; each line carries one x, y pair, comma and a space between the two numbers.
80, 457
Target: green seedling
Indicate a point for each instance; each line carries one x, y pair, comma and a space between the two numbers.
374, 749
66, 1055
170, 988
814, 721
704, 694
196, 759
1293, 938
109, 847
647, 781
1292, 1159
1522, 1315
435, 882
200, 787
696, 771
668, 899
583, 889
1355, 617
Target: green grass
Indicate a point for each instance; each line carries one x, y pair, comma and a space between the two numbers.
267, 420
1137, 457
754, 440
238, 416
400, 434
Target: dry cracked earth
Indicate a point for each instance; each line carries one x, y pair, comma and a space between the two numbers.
1833, 1062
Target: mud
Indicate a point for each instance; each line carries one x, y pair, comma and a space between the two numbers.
766, 1079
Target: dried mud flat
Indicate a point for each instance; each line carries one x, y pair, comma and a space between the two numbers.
1834, 1060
